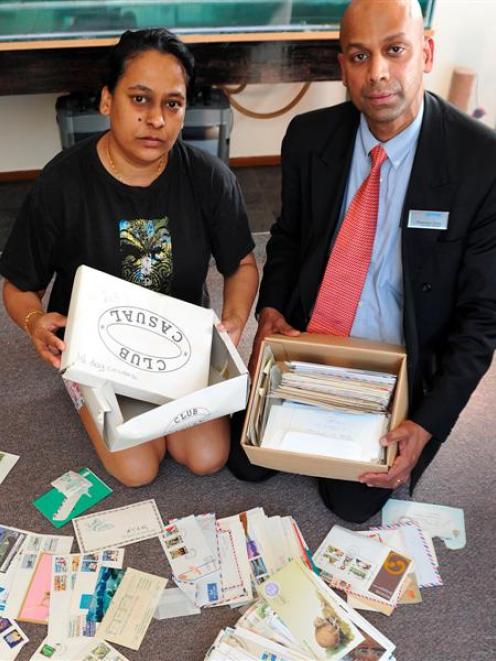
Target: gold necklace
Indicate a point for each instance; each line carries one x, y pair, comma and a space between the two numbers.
115, 171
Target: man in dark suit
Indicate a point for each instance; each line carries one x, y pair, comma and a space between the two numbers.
432, 275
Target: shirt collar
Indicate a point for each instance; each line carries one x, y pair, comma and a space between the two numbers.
399, 146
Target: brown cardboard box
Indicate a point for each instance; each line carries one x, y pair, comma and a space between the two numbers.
329, 350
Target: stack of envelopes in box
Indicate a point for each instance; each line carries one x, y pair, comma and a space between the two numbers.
320, 405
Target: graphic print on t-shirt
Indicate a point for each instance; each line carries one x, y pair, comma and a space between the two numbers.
146, 253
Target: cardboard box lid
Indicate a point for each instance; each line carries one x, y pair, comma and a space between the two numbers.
147, 345
124, 423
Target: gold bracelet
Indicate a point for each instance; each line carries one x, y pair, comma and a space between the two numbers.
28, 317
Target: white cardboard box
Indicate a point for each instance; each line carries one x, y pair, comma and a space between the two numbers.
328, 350
124, 423
147, 345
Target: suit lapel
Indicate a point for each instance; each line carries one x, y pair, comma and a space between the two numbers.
330, 170
431, 187
328, 176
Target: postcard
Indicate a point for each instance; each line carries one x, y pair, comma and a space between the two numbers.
132, 608
118, 527
374, 644
7, 463
448, 523
319, 624
72, 494
363, 566
75, 649
12, 639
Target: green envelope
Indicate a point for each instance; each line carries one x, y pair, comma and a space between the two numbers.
53, 500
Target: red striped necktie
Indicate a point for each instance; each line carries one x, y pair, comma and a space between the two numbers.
349, 261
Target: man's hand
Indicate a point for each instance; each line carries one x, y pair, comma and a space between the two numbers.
411, 439
46, 343
270, 321
234, 326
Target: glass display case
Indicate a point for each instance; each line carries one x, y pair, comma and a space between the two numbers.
60, 45
28, 20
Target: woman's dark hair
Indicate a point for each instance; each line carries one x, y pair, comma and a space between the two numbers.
134, 42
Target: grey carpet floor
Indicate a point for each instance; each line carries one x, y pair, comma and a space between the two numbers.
455, 622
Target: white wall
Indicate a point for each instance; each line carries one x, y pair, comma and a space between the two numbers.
463, 34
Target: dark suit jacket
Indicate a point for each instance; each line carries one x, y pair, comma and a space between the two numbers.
449, 277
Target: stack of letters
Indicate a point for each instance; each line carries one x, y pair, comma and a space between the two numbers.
220, 562
299, 617
327, 410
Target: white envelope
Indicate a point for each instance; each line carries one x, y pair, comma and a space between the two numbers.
118, 527
131, 610
311, 430
442, 521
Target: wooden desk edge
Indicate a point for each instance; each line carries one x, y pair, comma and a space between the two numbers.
187, 38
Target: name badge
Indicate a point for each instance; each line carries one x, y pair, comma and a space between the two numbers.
428, 220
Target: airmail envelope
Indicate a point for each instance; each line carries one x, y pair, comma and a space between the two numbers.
147, 345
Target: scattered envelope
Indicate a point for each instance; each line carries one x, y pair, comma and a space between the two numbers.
72, 494
448, 523
409, 538
22, 551
131, 610
363, 566
78, 589
7, 463
36, 605
118, 527
174, 603
187, 549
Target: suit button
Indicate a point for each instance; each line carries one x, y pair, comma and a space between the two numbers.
425, 287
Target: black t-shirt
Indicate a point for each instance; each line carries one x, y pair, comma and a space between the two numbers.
160, 236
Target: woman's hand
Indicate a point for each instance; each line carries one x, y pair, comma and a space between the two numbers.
26, 310
234, 326
42, 331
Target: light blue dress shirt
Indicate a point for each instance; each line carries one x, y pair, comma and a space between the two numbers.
380, 310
